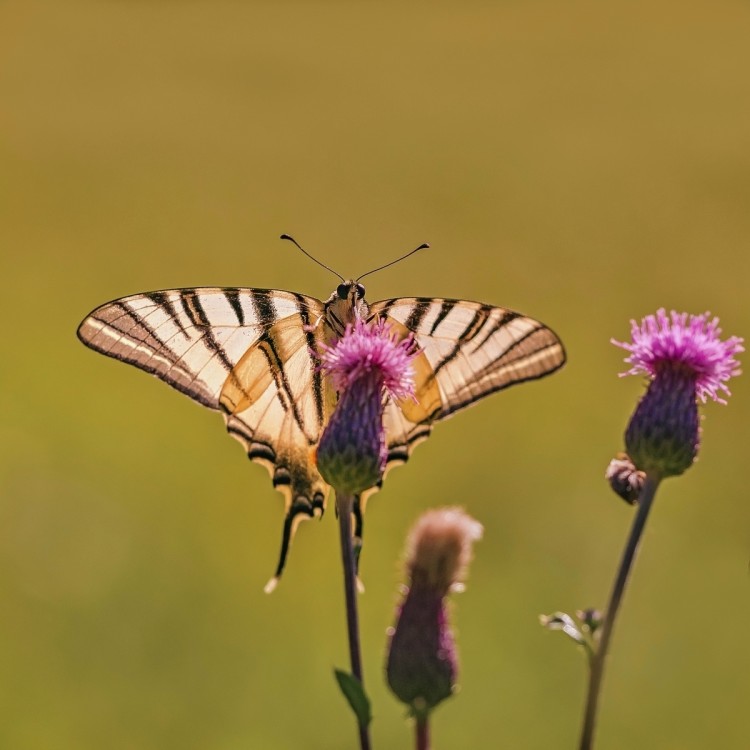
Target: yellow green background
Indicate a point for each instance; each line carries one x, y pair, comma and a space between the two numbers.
583, 162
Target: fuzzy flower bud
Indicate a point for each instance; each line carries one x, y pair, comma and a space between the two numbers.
624, 478
367, 366
686, 360
422, 664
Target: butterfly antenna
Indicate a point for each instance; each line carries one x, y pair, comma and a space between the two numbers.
328, 268
423, 246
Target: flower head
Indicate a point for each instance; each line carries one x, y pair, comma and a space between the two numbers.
422, 663
686, 360
371, 348
687, 343
367, 365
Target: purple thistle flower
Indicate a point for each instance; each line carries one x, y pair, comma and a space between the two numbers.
367, 365
422, 664
686, 360
691, 341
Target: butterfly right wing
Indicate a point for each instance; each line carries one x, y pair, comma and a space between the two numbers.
244, 352
468, 350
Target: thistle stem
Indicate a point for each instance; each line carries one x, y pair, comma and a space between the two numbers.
345, 506
422, 732
596, 673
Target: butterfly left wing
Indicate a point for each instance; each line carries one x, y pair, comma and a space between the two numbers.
468, 350
244, 352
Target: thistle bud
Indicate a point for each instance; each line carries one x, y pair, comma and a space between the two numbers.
367, 366
422, 664
624, 478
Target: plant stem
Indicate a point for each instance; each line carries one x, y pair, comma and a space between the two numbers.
596, 672
422, 732
344, 506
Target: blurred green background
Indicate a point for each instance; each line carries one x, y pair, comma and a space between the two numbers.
583, 162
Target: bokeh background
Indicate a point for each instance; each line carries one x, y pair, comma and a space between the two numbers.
583, 162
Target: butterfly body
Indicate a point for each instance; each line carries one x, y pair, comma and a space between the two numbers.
345, 306
249, 353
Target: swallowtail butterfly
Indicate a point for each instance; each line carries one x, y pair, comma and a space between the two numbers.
249, 354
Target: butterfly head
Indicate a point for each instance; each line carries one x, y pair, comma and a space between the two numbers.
346, 305
350, 290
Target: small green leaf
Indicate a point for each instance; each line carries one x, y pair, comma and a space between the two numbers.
355, 694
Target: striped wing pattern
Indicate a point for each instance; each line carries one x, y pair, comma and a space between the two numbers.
244, 352
471, 350
248, 354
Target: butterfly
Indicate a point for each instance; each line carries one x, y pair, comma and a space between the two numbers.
250, 354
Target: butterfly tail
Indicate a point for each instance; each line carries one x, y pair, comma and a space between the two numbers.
299, 510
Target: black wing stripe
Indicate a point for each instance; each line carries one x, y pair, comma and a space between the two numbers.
417, 314
398, 453
261, 450
275, 366
471, 330
421, 434
263, 306
161, 300
446, 306
317, 377
239, 428
140, 325
268, 346
281, 477
186, 298
195, 311
267, 314
519, 343
478, 322
385, 306
504, 319
402, 451
233, 298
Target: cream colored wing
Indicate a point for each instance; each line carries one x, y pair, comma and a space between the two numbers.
244, 352
468, 350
